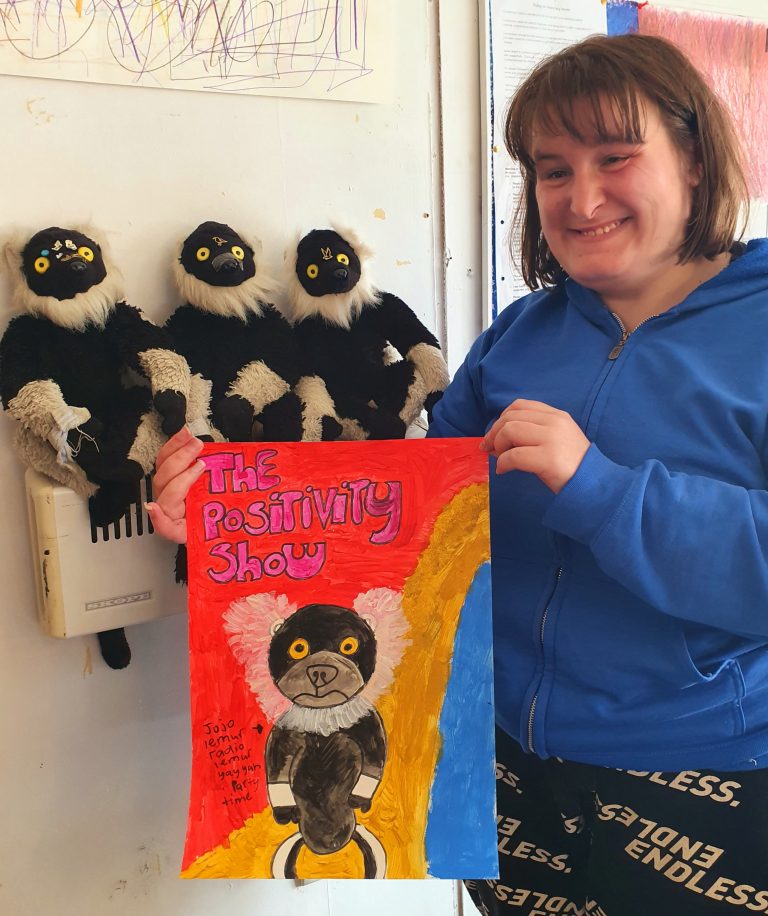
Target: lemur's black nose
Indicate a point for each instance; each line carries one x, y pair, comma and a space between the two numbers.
320, 675
77, 265
341, 273
226, 262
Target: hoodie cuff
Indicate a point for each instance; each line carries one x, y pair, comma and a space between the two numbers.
591, 498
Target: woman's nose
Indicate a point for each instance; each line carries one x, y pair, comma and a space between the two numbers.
587, 195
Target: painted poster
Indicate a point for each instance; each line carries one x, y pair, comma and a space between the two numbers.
340, 656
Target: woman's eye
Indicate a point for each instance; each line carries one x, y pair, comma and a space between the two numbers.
202, 254
85, 252
312, 271
342, 259
238, 252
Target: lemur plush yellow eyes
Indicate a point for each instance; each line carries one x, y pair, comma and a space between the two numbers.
342, 259
85, 252
312, 271
299, 648
238, 252
202, 254
349, 646
41, 265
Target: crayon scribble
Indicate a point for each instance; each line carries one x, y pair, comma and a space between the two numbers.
227, 45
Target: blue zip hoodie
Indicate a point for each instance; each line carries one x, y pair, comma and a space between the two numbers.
631, 609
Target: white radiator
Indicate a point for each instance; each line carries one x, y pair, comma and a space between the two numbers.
93, 579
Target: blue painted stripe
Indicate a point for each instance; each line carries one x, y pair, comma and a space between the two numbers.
461, 830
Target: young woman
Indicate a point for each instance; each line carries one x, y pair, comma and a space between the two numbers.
626, 406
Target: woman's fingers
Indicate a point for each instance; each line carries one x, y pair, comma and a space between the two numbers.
173, 529
535, 412
179, 457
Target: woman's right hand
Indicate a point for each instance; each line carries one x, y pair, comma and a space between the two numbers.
176, 469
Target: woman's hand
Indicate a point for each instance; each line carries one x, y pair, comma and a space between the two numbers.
176, 469
534, 437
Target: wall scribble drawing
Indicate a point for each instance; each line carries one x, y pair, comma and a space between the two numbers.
340, 662
335, 49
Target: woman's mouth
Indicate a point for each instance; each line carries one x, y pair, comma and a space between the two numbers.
599, 230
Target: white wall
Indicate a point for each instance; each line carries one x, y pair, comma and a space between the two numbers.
94, 764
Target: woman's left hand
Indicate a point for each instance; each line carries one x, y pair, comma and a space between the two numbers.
534, 437
176, 469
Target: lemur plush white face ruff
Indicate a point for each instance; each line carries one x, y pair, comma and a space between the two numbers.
216, 271
63, 275
329, 278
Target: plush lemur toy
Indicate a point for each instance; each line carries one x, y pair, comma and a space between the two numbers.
353, 336
233, 337
317, 672
93, 385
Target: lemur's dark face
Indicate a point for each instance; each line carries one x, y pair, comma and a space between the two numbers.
62, 263
326, 264
215, 254
322, 656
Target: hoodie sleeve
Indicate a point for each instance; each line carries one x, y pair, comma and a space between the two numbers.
461, 410
691, 546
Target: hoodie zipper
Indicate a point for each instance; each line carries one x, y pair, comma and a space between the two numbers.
612, 356
616, 351
534, 700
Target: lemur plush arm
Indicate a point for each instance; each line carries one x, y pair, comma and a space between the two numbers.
149, 350
420, 348
27, 390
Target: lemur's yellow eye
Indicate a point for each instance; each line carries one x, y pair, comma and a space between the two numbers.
299, 648
312, 271
202, 254
41, 265
238, 252
85, 252
342, 259
349, 646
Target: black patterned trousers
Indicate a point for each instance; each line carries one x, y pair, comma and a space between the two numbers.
579, 840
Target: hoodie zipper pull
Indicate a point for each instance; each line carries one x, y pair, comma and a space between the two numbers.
619, 346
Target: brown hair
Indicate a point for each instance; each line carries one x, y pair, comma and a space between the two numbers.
619, 73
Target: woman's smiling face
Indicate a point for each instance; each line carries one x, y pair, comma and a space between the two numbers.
614, 214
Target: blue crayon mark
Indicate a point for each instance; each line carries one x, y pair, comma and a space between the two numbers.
460, 839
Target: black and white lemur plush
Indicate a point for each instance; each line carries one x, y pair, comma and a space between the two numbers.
317, 672
379, 364
232, 336
93, 385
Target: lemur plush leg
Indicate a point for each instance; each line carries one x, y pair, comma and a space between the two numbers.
233, 415
320, 422
377, 423
114, 648
282, 419
199, 410
111, 501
